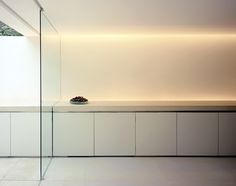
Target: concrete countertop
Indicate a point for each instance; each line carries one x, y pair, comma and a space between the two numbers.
145, 106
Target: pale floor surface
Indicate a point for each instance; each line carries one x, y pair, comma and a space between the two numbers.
126, 171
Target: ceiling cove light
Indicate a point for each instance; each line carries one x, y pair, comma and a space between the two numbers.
149, 35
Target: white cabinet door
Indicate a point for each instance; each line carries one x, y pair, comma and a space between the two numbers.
114, 134
155, 134
73, 134
227, 133
47, 134
25, 134
4, 134
197, 133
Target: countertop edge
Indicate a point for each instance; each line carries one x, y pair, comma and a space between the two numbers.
143, 106
131, 106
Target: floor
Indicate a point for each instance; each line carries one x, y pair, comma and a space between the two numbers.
15, 171
121, 172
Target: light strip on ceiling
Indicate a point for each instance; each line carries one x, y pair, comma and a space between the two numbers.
147, 35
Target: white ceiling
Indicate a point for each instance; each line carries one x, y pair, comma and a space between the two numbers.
14, 14
80, 16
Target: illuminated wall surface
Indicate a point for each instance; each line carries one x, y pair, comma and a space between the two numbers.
19, 70
147, 49
141, 49
141, 66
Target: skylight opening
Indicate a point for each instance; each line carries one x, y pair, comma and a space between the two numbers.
5, 30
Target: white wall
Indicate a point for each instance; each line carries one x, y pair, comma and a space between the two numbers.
147, 67
19, 70
51, 63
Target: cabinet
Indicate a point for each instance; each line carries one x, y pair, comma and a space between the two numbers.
114, 134
25, 134
4, 134
141, 134
197, 134
155, 134
227, 133
73, 134
47, 134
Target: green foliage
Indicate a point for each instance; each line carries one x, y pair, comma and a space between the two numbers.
7, 31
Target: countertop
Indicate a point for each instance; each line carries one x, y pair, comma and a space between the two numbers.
128, 106
145, 106
24, 108
19, 108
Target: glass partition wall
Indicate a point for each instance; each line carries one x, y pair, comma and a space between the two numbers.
49, 87
19, 104
26, 122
